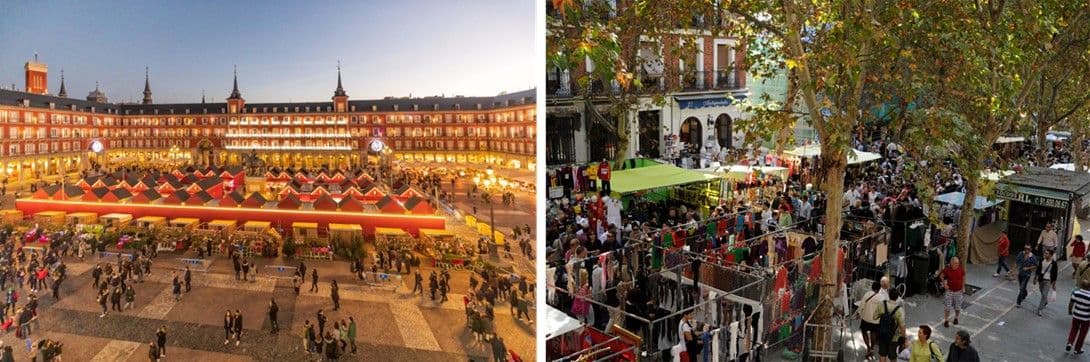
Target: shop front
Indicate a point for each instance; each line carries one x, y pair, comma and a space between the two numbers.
1040, 196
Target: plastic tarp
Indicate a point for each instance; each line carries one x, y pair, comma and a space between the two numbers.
653, 177
985, 243
1064, 166
855, 157
995, 175
957, 198
557, 323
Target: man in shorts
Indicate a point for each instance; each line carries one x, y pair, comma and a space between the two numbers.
868, 322
953, 280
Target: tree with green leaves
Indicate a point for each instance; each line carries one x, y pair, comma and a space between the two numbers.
610, 34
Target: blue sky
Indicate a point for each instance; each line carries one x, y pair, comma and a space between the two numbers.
285, 51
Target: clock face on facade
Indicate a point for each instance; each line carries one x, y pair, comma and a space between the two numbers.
376, 146
96, 147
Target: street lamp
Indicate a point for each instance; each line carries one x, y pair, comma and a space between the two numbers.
488, 182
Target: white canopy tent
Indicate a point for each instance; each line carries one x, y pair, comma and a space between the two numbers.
557, 323
855, 157
742, 171
1064, 166
1005, 139
995, 175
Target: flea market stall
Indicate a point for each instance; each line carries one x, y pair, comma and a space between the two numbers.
985, 229
1038, 196
151, 222
256, 238
116, 220
341, 234
82, 218
187, 223
50, 217
393, 239
666, 182
443, 245
311, 245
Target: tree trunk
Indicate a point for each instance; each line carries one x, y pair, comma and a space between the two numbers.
621, 149
788, 114
834, 164
967, 218
1078, 153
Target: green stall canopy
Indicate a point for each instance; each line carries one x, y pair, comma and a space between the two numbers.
653, 177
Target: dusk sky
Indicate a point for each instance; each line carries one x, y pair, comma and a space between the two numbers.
284, 52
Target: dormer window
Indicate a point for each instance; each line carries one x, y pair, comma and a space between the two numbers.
416, 107
478, 106
435, 107
353, 108
296, 109
374, 108
395, 107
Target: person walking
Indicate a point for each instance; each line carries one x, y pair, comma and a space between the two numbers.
953, 280
237, 324
274, 310
335, 294
161, 341
321, 322
238, 267
499, 350
228, 326
314, 281
130, 297
1079, 310
868, 323
352, 333
177, 285
309, 337
1026, 263
1048, 240
923, 349
418, 282
153, 352
1004, 246
188, 277
103, 299
891, 326
1046, 279
115, 299
296, 283
1078, 253
961, 350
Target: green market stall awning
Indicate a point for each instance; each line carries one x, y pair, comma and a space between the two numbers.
653, 177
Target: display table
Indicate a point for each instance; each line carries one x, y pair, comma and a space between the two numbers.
82, 218
116, 220
50, 217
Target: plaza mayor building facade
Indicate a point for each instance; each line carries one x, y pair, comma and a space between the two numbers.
46, 134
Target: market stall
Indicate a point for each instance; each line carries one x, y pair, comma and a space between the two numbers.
660, 182
225, 226
50, 217
339, 233
151, 222
11, 216
304, 230
260, 227
187, 223
81, 218
1039, 196
392, 239
485, 230
116, 220
444, 246
312, 246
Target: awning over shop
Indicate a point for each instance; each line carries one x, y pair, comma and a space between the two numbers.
653, 177
558, 323
854, 157
957, 198
738, 172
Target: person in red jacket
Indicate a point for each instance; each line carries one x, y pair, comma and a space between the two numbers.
1078, 253
604, 175
1004, 250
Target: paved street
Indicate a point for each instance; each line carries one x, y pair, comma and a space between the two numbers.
393, 325
999, 331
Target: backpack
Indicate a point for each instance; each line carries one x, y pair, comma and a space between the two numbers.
887, 323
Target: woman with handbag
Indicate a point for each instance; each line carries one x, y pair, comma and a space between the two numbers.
1046, 279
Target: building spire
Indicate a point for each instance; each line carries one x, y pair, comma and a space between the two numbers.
63, 93
202, 95
340, 90
234, 91
147, 87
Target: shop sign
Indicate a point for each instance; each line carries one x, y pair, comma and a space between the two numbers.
1012, 194
704, 103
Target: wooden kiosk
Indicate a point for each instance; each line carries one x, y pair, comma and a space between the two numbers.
50, 217
116, 220
187, 223
85, 218
344, 232
151, 222
392, 239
